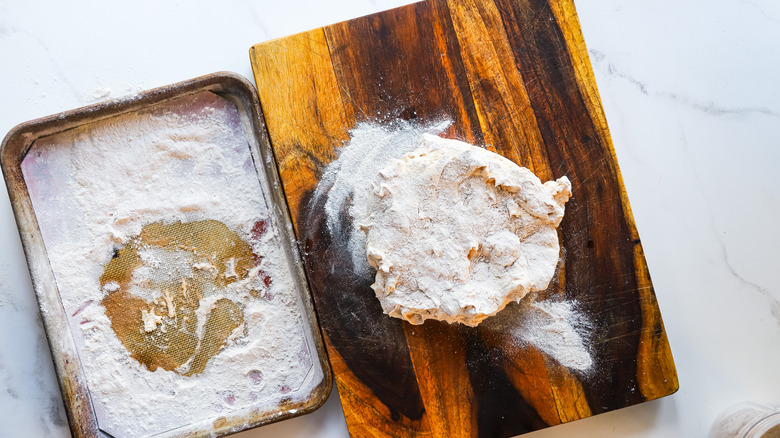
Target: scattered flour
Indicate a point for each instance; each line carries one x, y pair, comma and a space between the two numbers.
103, 92
556, 328
95, 188
98, 94
346, 180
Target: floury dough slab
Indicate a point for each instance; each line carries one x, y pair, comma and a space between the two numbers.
457, 232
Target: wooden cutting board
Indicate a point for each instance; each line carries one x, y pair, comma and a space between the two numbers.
513, 74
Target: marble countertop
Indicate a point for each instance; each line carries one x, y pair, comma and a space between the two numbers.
691, 96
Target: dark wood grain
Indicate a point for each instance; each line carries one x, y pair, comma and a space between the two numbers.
372, 346
514, 75
402, 55
600, 245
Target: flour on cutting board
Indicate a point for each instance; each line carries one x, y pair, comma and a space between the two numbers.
345, 181
169, 265
556, 328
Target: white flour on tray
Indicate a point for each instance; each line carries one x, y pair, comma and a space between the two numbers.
95, 189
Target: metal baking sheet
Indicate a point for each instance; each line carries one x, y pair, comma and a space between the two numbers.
49, 218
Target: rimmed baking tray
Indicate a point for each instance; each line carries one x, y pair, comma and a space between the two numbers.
42, 213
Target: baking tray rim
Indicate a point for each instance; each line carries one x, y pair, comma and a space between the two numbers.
75, 394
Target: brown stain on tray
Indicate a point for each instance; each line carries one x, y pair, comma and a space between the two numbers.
217, 258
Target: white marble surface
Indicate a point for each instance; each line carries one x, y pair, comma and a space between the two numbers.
690, 93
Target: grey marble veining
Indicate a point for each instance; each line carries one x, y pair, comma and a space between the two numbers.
691, 96
711, 108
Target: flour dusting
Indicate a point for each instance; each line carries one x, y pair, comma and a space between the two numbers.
457, 232
560, 331
346, 180
555, 327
